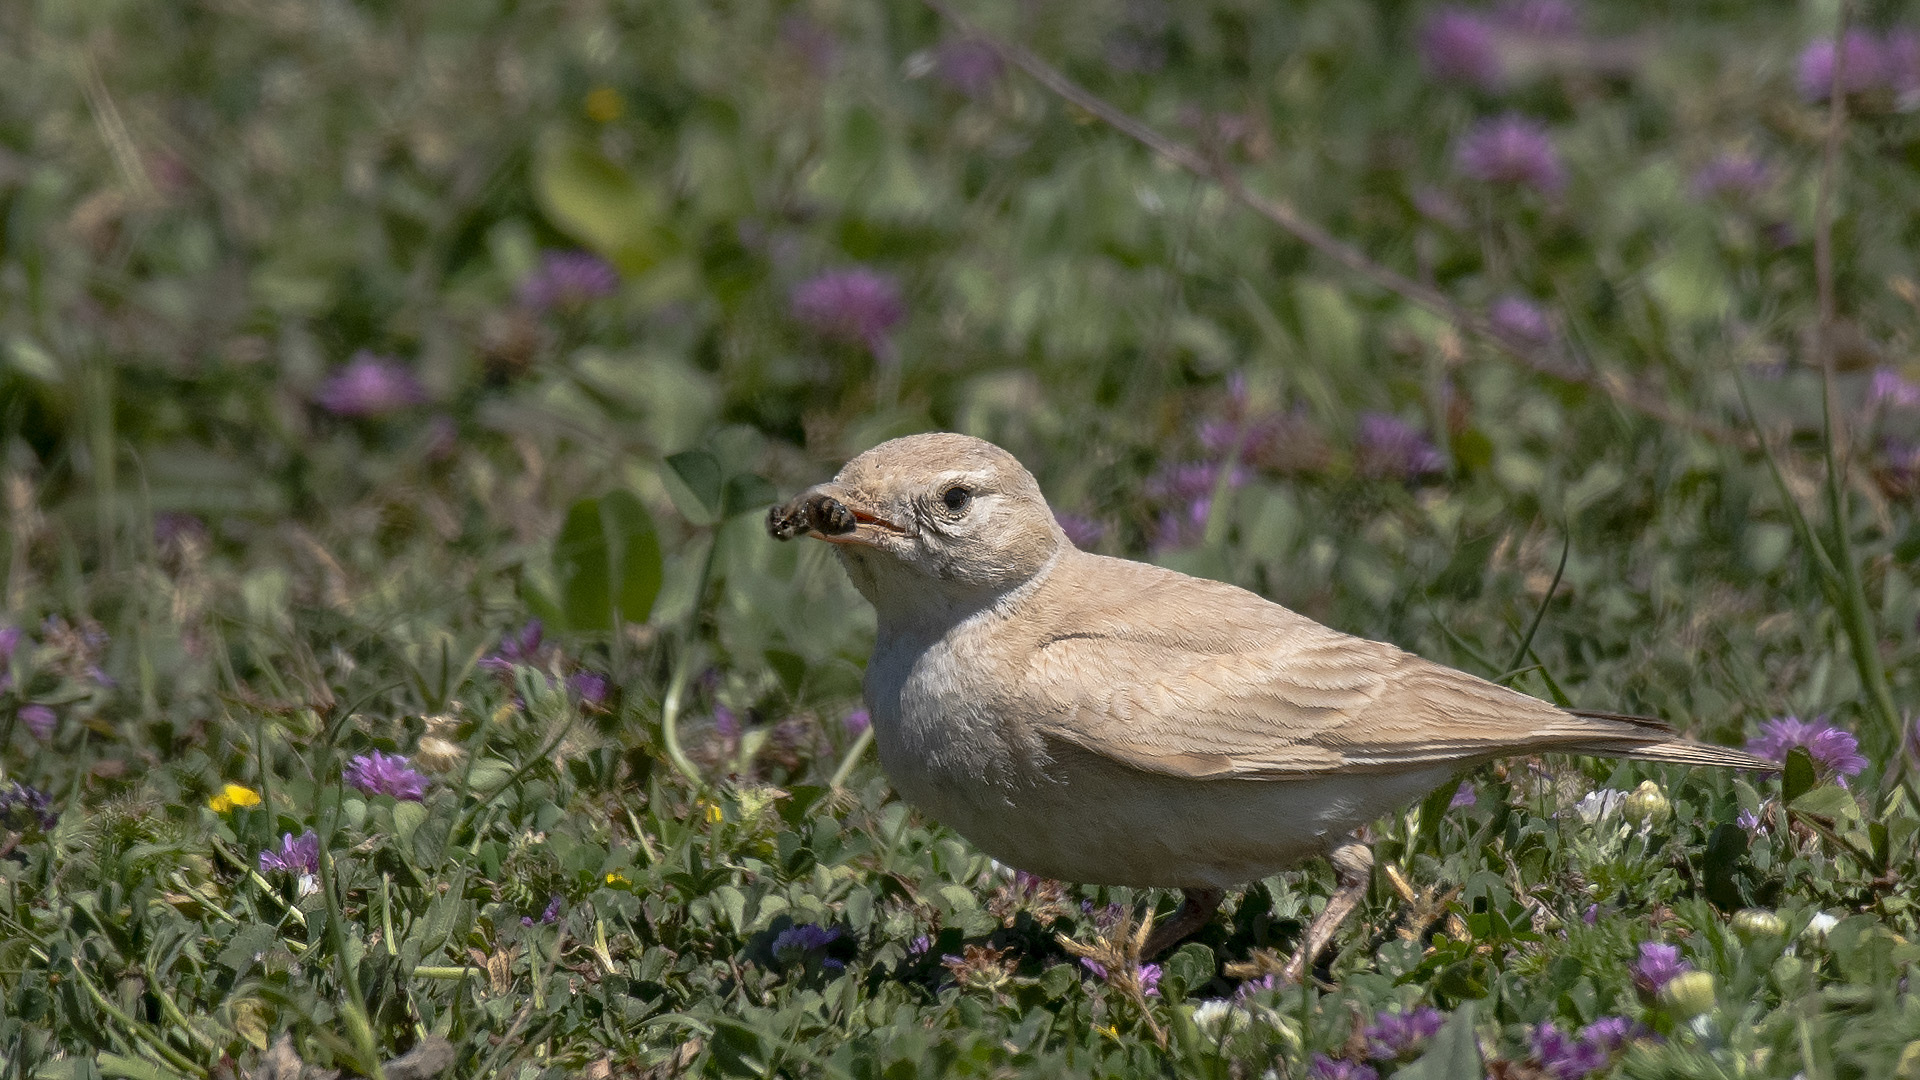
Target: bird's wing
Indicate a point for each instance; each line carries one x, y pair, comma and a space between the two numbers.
1202, 680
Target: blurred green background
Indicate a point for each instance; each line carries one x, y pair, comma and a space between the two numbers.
338, 340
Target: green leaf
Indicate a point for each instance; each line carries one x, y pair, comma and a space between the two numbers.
112, 1064
607, 561
1463, 979
790, 667
1432, 809
699, 475
634, 546
581, 566
598, 203
1454, 1053
1829, 801
407, 818
245, 944
1726, 846
1190, 968
1798, 777
745, 492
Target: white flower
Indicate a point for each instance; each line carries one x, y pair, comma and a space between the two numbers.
1599, 805
1211, 1012
1818, 926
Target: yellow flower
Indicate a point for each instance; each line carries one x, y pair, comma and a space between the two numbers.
604, 105
231, 796
714, 815
615, 877
1109, 1030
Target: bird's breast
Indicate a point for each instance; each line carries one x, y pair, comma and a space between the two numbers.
946, 733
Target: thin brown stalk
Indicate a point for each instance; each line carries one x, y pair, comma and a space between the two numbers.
1316, 236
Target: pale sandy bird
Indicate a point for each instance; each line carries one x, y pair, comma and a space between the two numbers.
1109, 722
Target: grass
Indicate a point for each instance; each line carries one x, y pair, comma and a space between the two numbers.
1642, 442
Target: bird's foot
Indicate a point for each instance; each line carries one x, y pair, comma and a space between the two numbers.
1353, 868
1115, 956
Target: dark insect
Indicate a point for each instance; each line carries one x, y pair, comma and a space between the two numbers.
810, 513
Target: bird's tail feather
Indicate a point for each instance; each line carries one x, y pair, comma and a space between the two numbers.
1675, 751
1653, 723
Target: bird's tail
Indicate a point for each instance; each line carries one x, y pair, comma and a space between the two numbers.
1655, 740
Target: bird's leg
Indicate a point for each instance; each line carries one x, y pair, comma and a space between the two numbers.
1196, 907
1353, 868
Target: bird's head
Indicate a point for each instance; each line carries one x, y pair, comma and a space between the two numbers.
948, 515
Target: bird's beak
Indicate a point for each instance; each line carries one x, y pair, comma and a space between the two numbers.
831, 513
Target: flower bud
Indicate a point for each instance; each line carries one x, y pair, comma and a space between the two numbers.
1647, 805
1753, 923
1688, 994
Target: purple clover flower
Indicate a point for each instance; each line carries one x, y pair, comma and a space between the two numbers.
1464, 797
1731, 175
552, 914
1591, 916
726, 722
1256, 986
1390, 448
172, 528
568, 279
1902, 47
1512, 150
1459, 45
386, 774
1394, 1035
1190, 481
591, 687
1658, 965
798, 944
40, 720
968, 66
858, 305
1326, 1068
1612, 1033
1835, 752
1189, 487
857, 722
296, 854
519, 647
1521, 320
1866, 66
1083, 532
9, 643
1539, 18
1890, 389
1566, 1056
24, 807
1900, 464
370, 386
1150, 980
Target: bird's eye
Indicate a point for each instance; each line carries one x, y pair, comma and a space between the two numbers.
957, 499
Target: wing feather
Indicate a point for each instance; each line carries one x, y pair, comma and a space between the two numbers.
1253, 690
